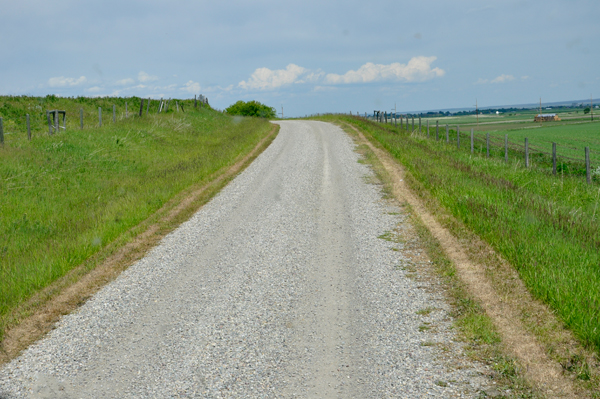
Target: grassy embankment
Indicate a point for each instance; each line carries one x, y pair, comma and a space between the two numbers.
545, 226
64, 197
571, 136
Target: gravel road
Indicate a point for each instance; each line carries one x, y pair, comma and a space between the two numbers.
279, 287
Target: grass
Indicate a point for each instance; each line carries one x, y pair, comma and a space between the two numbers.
64, 197
545, 226
571, 136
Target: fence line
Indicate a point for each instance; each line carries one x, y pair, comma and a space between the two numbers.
577, 165
53, 116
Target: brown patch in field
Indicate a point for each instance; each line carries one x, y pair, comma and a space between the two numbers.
504, 296
38, 316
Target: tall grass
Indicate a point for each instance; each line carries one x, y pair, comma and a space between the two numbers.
545, 226
65, 196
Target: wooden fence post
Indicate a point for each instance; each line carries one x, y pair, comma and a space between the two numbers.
100, 116
487, 144
526, 153
141, 107
81, 118
1, 131
437, 130
457, 136
49, 122
114, 113
588, 172
57, 121
148, 106
506, 148
407, 124
554, 159
472, 139
196, 102
28, 128
447, 134
401, 122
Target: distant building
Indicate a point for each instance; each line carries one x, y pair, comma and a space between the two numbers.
546, 118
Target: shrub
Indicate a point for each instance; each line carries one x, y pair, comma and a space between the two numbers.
251, 108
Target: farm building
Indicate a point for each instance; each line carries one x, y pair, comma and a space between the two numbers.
546, 118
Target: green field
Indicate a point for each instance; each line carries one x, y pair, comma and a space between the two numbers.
545, 226
572, 135
66, 196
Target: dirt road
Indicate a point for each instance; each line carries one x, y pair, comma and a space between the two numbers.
279, 287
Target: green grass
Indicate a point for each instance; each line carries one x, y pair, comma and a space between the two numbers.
571, 139
64, 197
545, 226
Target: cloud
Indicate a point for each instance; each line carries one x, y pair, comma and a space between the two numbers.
144, 77
524, 77
503, 78
418, 69
191, 87
481, 81
125, 82
61, 81
95, 89
265, 78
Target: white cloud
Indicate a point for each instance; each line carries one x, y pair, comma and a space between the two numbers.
418, 69
191, 87
95, 89
503, 78
265, 78
144, 77
61, 81
125, 82
481, 81
524, 77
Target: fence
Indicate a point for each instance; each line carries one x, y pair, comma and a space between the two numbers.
53, 117
494, 147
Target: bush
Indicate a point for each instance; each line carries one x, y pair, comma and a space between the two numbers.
251, 108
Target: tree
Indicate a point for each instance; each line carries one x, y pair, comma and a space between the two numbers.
587, 110
251, 108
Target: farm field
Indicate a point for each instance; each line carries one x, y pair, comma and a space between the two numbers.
545, 226
63, 197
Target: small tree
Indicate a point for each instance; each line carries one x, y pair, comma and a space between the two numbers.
587, 110
251, 108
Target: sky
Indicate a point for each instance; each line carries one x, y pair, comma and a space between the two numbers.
305, 56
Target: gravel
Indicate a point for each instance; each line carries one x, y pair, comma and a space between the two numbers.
279, 287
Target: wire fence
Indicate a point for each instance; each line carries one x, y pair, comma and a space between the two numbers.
56, 119
492, 146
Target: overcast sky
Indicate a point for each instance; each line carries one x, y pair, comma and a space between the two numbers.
309, 56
